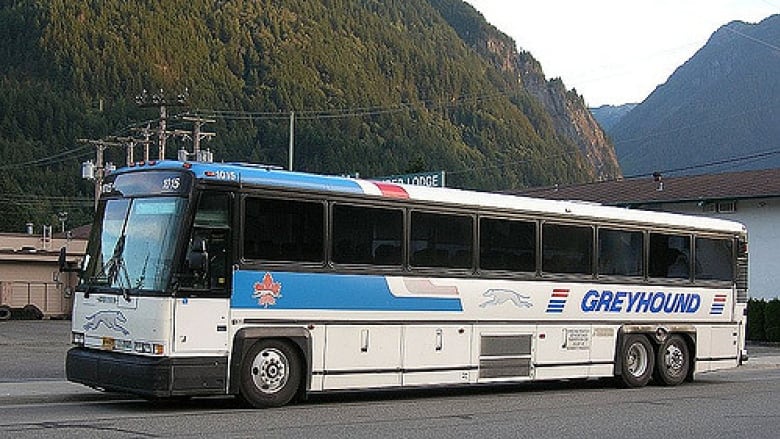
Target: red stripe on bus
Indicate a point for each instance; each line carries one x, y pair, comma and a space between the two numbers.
392, 190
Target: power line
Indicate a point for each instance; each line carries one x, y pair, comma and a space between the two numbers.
52, 159
752, 38
728, 161
338, 113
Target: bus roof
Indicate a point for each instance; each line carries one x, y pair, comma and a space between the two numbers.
273, 177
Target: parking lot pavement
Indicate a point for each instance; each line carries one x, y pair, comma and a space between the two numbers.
32, 363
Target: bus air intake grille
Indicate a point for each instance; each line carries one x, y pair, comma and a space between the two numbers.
505, 356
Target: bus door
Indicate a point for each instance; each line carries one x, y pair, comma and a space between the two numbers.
202, 310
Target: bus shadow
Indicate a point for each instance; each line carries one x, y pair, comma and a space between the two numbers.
371, 396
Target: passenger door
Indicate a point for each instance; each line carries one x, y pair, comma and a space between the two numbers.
202, 308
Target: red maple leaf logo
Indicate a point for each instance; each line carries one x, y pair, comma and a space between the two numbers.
267, 291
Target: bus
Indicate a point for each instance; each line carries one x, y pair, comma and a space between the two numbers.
247, 280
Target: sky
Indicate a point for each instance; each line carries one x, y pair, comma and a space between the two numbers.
616, 51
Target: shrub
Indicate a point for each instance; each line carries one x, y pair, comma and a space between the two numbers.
756, 320
772, 320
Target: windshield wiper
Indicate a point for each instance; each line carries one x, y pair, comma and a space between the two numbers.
142, 277
114, 270
115, 263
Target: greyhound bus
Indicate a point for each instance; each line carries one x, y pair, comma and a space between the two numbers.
238, 279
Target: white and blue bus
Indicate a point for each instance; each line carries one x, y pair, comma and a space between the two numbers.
236, 279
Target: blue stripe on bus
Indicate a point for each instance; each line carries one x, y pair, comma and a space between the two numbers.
315, 291
279, 178
256, 175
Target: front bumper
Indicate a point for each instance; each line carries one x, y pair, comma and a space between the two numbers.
147, 376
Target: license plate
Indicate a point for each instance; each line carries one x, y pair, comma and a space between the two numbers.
108, 343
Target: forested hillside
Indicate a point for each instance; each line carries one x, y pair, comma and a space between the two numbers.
377, 88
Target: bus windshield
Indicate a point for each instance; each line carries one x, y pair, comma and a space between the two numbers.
133, 246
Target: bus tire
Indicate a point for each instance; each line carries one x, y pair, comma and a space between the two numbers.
672, 361
637, 361
270, 374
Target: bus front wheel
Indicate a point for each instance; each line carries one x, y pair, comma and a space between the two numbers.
637, 361
270, 374
672, 361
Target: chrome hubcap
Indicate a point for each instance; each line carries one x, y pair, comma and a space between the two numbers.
637, 360
674, 359
270, 370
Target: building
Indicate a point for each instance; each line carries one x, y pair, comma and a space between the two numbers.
750, 197
30, 280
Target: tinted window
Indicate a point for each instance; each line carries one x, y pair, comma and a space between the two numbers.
714, 259
621, 252
364, 235
441, 240
283, 230
567, 249
213, 209
670, 256
507, 245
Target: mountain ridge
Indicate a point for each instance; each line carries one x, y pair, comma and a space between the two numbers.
719, 105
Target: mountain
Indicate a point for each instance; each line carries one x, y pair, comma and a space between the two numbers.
721, 106
376, 87
609, 115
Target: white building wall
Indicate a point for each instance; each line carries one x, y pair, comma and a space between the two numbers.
762, 218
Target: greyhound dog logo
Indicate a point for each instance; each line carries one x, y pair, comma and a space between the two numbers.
499, 296
112, 320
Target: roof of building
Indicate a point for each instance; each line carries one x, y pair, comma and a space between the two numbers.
656, 190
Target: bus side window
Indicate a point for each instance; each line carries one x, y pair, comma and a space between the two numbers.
621, 252
507, 245
567, 249
283, 230
441, 240
714, 259
669, 256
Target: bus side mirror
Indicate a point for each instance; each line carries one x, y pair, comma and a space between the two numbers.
198, 256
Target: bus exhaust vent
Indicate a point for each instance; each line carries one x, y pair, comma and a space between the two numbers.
505, 356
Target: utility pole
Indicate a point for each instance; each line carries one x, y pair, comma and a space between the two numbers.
198, 135
147, 134
292, 139
98, 170
129, 143
160, 101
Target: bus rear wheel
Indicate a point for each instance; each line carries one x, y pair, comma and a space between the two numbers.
270, 374
637, 361
672, 362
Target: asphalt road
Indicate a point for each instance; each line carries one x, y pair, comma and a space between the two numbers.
736, 403
33, 349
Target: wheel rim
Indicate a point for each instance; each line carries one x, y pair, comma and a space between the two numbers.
674, 359
270, 370
637, 359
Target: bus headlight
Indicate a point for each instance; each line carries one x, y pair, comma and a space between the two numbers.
149, 348
77, 338
143, 348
